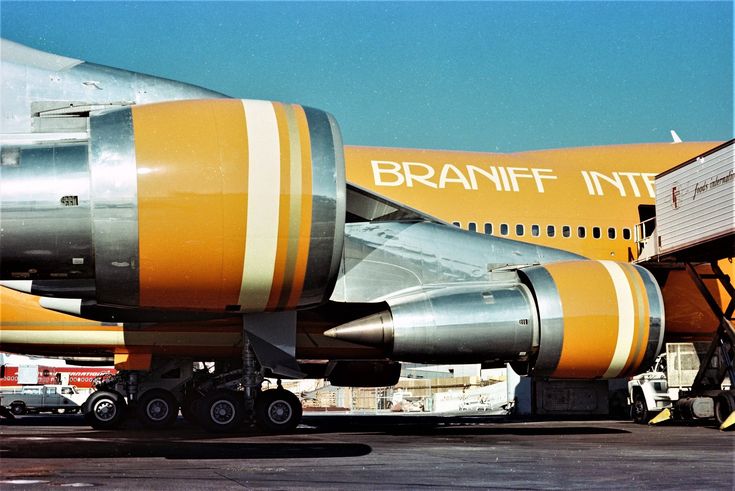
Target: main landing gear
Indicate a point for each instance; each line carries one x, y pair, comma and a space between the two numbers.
220, 401
223, 397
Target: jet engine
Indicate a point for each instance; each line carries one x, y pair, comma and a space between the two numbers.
573, 319
215, 205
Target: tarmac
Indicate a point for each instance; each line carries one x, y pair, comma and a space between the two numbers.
369, 452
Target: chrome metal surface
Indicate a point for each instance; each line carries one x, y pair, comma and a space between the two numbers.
469, 323
656, 317
114, 189
45, 210
30, 76
464, 324
328, 210
384, 259
551, 333
373, 330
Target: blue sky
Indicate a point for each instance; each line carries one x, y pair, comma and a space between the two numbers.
486, 76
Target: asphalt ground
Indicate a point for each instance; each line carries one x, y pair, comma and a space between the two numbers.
369, 452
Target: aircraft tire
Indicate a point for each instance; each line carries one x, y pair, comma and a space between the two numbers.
157, 408
222, 411
105, 410
278, 411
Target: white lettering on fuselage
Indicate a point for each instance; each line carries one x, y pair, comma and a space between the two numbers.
505, 179
622, 182
389, 173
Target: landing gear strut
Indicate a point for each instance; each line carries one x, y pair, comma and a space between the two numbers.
252, 378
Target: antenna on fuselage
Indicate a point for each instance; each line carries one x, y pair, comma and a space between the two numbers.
675, 137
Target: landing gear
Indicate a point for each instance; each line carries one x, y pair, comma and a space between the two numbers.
278, 411
190, 407
222, 411
157, 408
104, 410
221, 397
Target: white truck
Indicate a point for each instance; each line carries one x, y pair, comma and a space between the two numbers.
42, 398
667, 386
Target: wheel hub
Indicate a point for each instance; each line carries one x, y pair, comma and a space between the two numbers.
222, 412
105, 410
157, 410
280, 412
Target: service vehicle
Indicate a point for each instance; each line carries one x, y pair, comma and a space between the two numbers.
42, 398
669, 386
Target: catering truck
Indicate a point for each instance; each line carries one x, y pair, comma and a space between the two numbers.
666, 390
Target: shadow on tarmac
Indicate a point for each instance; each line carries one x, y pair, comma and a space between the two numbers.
182, 450
413, 425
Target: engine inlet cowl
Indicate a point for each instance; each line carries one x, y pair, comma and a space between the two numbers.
222, 205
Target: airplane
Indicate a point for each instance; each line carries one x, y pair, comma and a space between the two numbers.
203, 243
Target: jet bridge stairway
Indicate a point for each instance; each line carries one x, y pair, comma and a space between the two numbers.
717, 364
695, 227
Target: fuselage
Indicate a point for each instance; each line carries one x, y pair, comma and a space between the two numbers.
584, 200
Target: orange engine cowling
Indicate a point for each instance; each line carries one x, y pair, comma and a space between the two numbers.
598, 319
219, 205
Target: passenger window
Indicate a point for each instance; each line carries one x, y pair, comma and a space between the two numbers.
566, 231
503, 229
535, 230
550, 230
611, 233
596, 232
457, 224
581, 232
472, 227
489, 228
626, 234
520, 230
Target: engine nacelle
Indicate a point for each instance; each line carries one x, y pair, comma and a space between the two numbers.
221, 205
599, 319
574, 319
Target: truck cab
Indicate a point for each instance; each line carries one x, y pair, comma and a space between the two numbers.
648, 392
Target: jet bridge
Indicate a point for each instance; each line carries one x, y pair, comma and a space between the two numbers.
694, 228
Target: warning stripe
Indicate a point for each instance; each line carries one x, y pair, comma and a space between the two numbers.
304, 239
264, 188
642, 324
626, 319
296, 193
279, 271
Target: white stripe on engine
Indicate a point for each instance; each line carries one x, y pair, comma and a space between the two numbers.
626, 318
264, 183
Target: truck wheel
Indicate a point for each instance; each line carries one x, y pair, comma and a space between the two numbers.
157, 408
278, 411
105, 410
18, 408
639, 410
723, 409
222, 411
